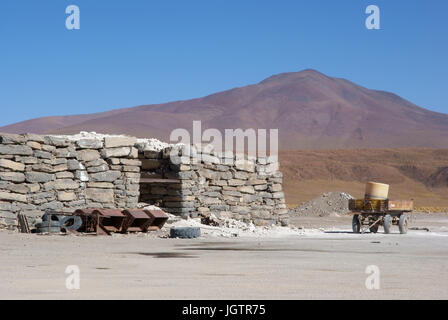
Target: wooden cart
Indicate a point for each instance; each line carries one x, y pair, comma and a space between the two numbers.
370, 214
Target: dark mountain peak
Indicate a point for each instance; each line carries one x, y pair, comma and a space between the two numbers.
286, 77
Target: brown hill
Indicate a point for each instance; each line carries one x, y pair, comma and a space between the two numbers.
421, 174
311, 111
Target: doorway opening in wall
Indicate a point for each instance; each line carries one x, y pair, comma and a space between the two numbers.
161, 192
159, 182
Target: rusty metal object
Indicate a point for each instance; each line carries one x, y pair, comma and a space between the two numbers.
101, 221
89, 220
157, 218
23, 223
109, 220
136, 221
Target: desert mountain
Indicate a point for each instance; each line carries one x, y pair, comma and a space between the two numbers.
311, 111
420, 174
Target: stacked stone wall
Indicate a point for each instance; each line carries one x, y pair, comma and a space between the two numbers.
223, 184
40, 173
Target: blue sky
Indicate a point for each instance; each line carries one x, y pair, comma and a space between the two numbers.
135, 52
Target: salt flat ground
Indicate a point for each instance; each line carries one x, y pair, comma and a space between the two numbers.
317, 265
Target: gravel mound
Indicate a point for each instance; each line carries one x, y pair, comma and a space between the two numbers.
331, 203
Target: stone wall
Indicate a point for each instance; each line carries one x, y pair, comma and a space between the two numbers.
225, 185
39, 173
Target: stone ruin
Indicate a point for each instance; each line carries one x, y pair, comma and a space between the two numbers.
65, 173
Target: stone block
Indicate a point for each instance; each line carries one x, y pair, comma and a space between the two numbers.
26, 160
65, 184
114, 142
7, 196
41, 167
130, 162
246, 189
12, 165
109, 176
65, 175
101, 185
17, 188
131, 169
241, 175
60, 168
89, 144
100, 195
236, 182
245, 165
66, 196
53, 205
69, 152
42, 154
34, 137
278, 195
100, 168
16, 150
82, 175
56, 141
38, 177
88, 155
34, 145
116, 152
10, 138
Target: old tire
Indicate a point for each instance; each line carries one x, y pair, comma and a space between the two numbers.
185, 232
403, 224
356, 225
54, 217
48, 226
387, 223
71, 222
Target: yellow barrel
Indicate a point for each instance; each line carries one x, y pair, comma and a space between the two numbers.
376, 191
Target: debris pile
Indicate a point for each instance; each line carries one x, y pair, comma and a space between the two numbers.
142, 144
331, 203
212, 226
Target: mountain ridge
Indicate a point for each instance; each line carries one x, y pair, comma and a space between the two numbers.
310, 109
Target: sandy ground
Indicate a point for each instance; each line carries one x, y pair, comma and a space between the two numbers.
324, 264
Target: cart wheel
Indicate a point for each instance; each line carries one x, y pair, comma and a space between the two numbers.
374, 229
403, 224
387, 223
356, 225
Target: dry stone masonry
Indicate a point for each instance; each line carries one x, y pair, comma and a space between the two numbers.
65, 173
